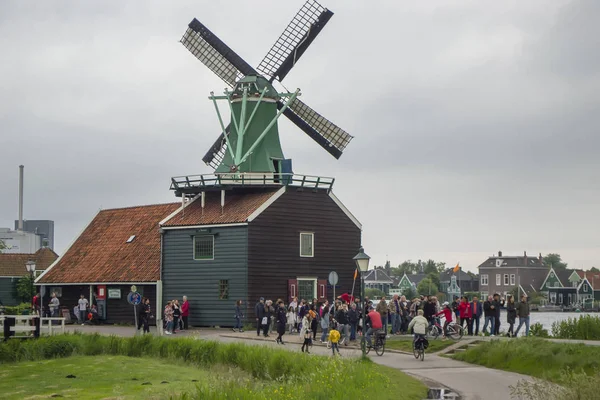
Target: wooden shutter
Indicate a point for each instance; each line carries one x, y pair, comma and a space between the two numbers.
292, 288
322, 290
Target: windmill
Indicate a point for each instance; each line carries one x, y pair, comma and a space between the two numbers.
250, 142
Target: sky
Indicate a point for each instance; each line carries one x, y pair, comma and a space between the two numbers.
475, 123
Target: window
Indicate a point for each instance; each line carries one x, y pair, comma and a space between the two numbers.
512, 280
307, 242
204, 247
560, 298
498, 279
574, 284
223, 289
585, 287
307, 289
484, 280
505, 279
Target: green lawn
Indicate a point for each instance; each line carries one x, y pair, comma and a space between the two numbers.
99, 377
406, 345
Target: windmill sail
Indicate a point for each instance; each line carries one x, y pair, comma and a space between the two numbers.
214, 53
330, 136
295, 39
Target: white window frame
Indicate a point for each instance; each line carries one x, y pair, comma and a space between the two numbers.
315, 291
194, 248
312, 244
506, 280
585, 288
484, 280
513, 280
560, 298
553, 297
498, 279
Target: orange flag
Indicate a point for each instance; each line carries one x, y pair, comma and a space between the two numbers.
456, 268
355, 273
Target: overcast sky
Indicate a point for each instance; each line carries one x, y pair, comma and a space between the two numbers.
475, 122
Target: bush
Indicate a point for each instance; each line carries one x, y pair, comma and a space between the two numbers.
586, 327
17, 310
538, 330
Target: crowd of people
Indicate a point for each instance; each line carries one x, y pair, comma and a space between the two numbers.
175, 315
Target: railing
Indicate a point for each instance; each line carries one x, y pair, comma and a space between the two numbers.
24, 327
199, 183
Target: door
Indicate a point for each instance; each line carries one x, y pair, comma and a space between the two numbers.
552, 297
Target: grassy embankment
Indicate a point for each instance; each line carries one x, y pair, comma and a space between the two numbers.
105, 366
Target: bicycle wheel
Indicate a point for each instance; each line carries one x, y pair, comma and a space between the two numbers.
380, 349
455, 332
422, 355
416, 353
435, 332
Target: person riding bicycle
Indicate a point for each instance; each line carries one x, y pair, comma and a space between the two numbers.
374, 324
447, 313
419, 325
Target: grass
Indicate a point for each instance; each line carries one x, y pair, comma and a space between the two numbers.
100, 377
536, 357
232, 371
406, 345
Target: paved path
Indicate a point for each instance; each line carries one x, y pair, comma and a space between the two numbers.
472, 382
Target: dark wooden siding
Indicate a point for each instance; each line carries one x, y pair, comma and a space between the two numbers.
274, 244
8, 292
199, 279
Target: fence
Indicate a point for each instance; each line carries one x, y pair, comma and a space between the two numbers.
22, 327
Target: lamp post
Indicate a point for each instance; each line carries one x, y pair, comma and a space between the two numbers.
30, 266
362, 263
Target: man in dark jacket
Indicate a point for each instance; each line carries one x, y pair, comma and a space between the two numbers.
523, 314
490, 315
429, 310
476, 311
259, 311
497, 306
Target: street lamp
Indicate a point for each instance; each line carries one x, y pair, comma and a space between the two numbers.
362, 263
30, 265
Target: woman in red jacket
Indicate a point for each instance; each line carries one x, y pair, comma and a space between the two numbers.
447, 313
185, 312
464, 308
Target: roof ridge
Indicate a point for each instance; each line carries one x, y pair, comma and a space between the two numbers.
139, 206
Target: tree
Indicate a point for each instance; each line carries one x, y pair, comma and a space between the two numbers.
407, 267
24, 288
2, 246
372, 293
410, 293
553, 260
431, 266
435, 278
427, 287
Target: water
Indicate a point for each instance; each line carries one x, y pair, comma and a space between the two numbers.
544, 318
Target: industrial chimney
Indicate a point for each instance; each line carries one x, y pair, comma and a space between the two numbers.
21, 168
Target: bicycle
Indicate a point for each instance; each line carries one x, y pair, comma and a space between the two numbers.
379, 345
419, 347
453, 330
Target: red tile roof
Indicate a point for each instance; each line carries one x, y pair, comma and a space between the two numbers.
101, 253
592, 277
14, 264
238, 207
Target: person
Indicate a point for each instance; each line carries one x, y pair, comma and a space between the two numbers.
476, 311
447, 313
374, 324
341, 316
497, 306
419, 325
176, 315
53, 305
429, 309
382, 309
465, 313
302, 310
455, 304
396, 313
334, 338
325, 323
146, 314
291, 319
281, 321
185, 312
269, 311
511, 315
490, 316
314, 307
353, 321
168, 312
523, 314
239, 316
77, 314
305, 332
294, 307
259, 311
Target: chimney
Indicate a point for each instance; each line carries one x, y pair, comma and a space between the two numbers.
525, 257
20, 226
541, 258
499, 254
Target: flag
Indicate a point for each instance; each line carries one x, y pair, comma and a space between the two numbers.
456, 268
355, 273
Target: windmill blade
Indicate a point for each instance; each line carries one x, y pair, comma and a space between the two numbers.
214, 53
330, 136
295, 39
214, 155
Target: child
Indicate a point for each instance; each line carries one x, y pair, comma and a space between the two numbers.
447, 311
334, 338
291, 319
306, 333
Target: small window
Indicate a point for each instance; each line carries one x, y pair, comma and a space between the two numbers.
204, 247
498, 279
585, 288
512, 279
307, 242
130, 238
505, 279
484, 280
223, 289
